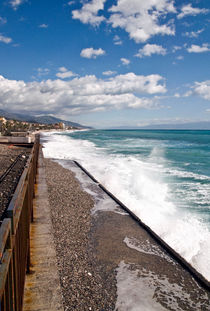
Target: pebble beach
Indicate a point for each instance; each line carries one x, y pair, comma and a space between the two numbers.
105, 260
82, 283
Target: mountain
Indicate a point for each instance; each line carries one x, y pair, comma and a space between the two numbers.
45, 119
205, 125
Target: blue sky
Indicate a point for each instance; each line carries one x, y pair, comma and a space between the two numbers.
106, 63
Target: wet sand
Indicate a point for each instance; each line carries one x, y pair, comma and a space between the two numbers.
106, 261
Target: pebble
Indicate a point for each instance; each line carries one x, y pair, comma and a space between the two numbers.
71, 219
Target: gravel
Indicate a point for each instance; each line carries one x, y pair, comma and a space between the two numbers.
8, 154
85, 285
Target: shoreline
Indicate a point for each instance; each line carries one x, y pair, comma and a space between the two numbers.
169, 195
107, 246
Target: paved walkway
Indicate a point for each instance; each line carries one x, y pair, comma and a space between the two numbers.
42, 288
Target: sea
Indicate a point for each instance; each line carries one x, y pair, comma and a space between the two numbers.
163, 176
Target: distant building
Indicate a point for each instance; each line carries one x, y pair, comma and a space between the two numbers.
62, 125
3, 120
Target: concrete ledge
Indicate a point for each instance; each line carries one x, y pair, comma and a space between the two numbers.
16, 140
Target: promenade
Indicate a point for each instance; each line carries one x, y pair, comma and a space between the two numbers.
42, 285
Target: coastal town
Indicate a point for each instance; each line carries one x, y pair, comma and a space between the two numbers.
9, 127
15, 131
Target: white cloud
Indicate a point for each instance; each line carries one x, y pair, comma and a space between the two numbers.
81, 94
5, 39
109, 73
15, 3
193, 34
43, 26
88, 14
176, 48
202, 89
65, 73
199, 49
71, 2
63, 69
142, 19
188, 10
91, 53
150, 49
125, 61
3, 20
188, 93
43, 71
180, 57
207, 110
117, 40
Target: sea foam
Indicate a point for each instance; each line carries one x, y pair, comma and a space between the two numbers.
140, 185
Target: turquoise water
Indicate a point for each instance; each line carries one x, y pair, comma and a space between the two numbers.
186, 156
163, 176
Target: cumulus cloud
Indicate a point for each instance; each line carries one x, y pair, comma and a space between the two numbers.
88, 14
43, 26
202, 89
150, 49
16, 3
117, 40
91, 53
5, 39
193, 34
142, 19
199, 49
109, 73
188, 10
125, 61
65, 73
81, 94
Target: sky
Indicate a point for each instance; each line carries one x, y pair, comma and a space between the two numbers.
106, 63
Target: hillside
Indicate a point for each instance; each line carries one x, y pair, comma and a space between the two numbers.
45, 119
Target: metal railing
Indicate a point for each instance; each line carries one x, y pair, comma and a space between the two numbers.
15, 238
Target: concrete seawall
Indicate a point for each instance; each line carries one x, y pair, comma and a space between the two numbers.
16, 140
195, 274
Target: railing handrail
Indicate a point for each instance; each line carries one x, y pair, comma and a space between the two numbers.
14, 237
5, 246
5, 234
